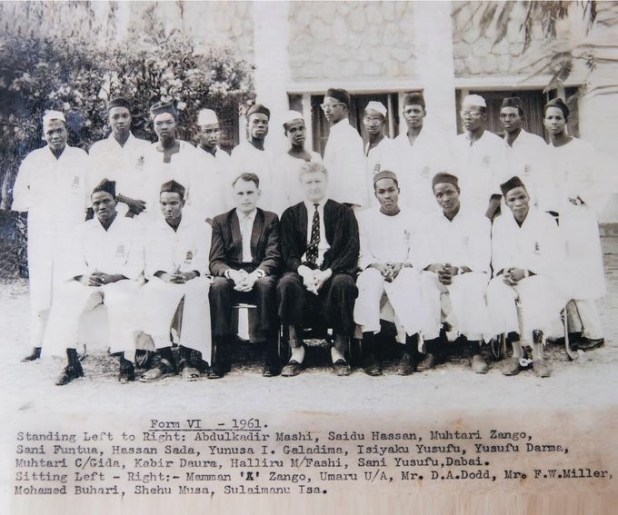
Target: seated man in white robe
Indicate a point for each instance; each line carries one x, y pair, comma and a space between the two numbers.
105, 267
176, 255
524, 298
386, 264
455, 254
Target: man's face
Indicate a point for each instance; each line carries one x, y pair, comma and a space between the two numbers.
55, 134
210, 135
518, 202
119, 120
296, 133
246, 196
171, 206
314, 186
473, 117
510, 119
373, 122
554, 120
334, 110
103, 205
258, 125
165, 125
387, 193
414, 115
447, 196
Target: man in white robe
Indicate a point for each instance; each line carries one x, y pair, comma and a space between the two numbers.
386, 268
380, 150
286, 167
120, 158
421, 154
104, 266
176, 256
524, 297
51, 187
455, 252
254, 156
526, 153
479, 160
343, 156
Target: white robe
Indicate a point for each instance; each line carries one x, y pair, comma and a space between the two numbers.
463, 241
418, 164
53, 193
387, 239
186, 250
286, 178
117, 250
123, 164
248, 159
535, 246
344, 160
481, 168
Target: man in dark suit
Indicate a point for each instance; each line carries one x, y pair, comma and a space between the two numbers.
320, 246
244, 258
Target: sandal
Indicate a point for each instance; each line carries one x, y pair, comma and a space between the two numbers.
160, 371
189, 373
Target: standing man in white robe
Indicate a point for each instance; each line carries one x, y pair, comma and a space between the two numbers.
455, 253
210, 185
120, 158
176, 255
421, 154
380, 150
254, 156
344, 157
479, 159
524, 297
104, 266
525, 152
386, 263
286, 168
51, 188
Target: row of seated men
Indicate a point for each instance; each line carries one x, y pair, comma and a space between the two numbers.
433, 271
54, 182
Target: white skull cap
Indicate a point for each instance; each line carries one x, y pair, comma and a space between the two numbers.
50, 116
207, 117
290, 116
474, 100
376, 106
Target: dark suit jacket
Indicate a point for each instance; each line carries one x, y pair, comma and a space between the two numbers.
341, 233
226, 245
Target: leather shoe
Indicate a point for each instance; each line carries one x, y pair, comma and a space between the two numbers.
291, 369
373, 369
215, 372
127, 372
589, 344
270, 370
69, 373
511, 367
406, 365
540, 368
478, 364
34, 355
342, 368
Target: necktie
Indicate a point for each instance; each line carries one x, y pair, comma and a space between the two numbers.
312, 249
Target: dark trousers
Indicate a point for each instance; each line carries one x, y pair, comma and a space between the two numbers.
334, 303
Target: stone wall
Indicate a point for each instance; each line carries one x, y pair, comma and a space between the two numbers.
351, 40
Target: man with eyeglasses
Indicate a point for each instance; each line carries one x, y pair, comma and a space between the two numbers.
343, 156
526, 153
479, 159
421, 153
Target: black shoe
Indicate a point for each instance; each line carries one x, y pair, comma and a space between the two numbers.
291, 369
589, 344
215, 372
127, 371
34, 355
372, 368
70, 372
341, 368
271, 370
406, 365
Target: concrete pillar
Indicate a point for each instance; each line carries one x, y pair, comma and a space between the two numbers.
434, 60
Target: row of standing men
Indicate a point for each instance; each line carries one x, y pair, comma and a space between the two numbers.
139, 168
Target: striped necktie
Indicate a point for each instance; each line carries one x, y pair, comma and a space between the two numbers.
312, 249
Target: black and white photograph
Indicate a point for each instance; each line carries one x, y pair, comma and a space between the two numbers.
309, 257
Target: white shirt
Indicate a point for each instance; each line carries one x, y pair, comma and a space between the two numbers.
248, 159
463, 241
526, 158
117, 250
286, 178
208, 187
481, 168
385, 239
323, 246
246, 228
185, 249
381, 157
418, 163
344, 160
123, 164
